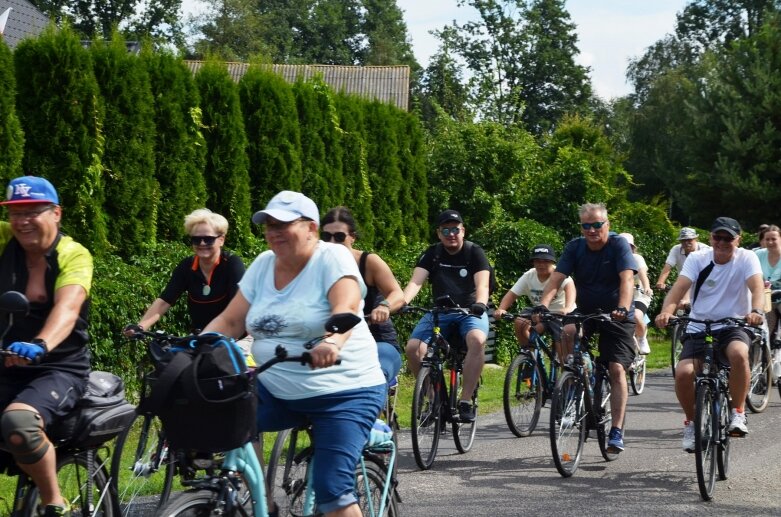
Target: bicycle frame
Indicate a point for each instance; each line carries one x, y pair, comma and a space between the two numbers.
539, 349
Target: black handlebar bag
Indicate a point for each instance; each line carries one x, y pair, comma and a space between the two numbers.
204, 396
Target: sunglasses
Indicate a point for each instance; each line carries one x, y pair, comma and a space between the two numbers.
450, 231
28, 214
722, 238
207, 240
596, 226
336, 236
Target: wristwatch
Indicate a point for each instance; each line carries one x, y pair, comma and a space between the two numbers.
758, 311
332, 341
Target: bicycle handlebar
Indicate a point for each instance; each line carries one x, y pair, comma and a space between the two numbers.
436, 309
738, 322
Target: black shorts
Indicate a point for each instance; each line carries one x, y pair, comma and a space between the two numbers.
53, 393
616, 340
694, 343
553, 327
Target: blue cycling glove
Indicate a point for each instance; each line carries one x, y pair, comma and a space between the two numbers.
32, 351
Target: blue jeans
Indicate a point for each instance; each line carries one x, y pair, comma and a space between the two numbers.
464, 322
390, 360
341, 423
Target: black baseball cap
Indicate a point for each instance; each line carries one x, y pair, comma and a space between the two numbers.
726, 224
449, 216
543, 252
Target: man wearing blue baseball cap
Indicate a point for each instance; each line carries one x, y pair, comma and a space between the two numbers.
47, 372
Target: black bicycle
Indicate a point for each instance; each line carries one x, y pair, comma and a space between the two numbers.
581, 401
435, 400
530, 380
712, 408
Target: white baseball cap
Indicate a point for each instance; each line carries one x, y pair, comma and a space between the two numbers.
288, 206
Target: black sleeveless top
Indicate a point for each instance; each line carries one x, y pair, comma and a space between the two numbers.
384, 331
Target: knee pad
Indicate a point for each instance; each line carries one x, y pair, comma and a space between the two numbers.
22, 432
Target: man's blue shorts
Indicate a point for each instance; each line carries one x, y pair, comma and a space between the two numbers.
465, 322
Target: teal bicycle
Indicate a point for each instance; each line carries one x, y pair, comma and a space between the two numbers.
234, 485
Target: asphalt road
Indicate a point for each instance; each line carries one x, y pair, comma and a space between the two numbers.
507, 476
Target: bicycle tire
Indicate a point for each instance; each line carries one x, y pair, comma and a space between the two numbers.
522, 396
142, 480
375, 478
603, 414
192, 503
676, 347
761, 379
704, 450
637, 375
287, 470
723, 450
464, 432
72, 474
426, 417
567, 424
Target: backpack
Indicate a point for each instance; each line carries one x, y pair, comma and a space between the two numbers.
204, 396
100, 415
468, 248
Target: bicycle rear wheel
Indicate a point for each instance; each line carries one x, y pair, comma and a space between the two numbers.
704, 439
464, 432
522, 395
676, 347
603, 414
82, 500
760, 376
722, 450
142, 467
567, 424
426, 417
287, 470
369, 487
637, 375
192, 503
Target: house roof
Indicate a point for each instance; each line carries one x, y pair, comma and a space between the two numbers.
385, 83
25, 21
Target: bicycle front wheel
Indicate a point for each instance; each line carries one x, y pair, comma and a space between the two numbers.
142, 467
193, 503
603, 414
464, 432
676, 347
522, 395
704, 440
761, 378
370, 479
637, 375
426, 417
85, 495
567, 424
722, 450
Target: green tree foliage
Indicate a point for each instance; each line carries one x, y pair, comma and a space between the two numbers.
443, 84
180, 153
321, 152
331, 33
129, 181
414, 177
231, 29
387, 41
60, 112
226, 173
708, 24
521, 55
274, 141
11, 136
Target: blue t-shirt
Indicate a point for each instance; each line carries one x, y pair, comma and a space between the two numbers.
295, 314
770, 273
596, 273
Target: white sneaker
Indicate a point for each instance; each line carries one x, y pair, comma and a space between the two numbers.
643, 346
737, 424
688, 437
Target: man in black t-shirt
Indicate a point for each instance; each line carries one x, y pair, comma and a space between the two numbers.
459, 269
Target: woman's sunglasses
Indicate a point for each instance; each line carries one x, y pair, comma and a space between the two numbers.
336, 236
202, 240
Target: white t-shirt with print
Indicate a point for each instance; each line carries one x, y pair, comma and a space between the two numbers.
529, 285
295, 314
676, 258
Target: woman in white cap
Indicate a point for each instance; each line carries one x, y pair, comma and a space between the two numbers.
285, 298
642, 297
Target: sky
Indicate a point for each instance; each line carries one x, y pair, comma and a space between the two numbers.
610, 32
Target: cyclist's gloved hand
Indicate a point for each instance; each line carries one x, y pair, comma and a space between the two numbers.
478, 309
34, 352
540, 309
132, 329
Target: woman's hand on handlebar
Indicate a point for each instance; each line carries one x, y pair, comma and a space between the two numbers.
662, 319
132, 329
380, 314
325, 354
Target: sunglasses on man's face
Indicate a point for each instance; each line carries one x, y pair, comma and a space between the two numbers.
203, 240
450, 231
597, 225
722, 238
338, 237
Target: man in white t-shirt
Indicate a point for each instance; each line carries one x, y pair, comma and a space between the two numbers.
687, 243
532, 284
733, 288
